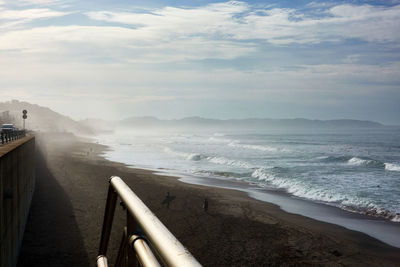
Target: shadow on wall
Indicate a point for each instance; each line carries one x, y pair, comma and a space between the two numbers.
52, 236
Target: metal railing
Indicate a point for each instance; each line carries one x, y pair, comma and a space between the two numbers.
152, 234
11, 136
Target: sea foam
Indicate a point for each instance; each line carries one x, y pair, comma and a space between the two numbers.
392, 167
229, 162
396, 218
212, 159
237, 144
355, 161
295, 187
188, 156
325, 195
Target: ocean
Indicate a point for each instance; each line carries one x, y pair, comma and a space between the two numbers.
354, 170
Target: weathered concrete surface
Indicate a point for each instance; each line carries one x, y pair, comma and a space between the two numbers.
17, 183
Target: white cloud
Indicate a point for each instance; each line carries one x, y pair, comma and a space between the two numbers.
35, 2
320, 4
30, 14
352, 59
12, 19
217, 31
238, 20
122, 44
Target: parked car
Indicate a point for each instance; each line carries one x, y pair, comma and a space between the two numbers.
7, 128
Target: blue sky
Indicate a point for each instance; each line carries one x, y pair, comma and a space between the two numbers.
225, 59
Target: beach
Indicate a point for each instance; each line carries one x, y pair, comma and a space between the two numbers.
68, 207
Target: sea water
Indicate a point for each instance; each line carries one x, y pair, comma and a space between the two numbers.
355, 170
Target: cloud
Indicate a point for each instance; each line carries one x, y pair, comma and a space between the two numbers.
281, 26
122, 44
216, 31
320, 4
12, 19
30, 14
34, 2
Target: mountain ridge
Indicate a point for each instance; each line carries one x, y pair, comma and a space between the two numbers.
42, 118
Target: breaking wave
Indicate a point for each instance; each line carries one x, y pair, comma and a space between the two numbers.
325, 195
229, 162
254, 147
238, 144
354, 161
212, 159
396, 218
364, 162
226, 174
188, 156
265, 148
293, 186
333, 159
392, 167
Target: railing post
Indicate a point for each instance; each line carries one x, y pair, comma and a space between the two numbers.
108, 219
131, 229
102, 261
121, 261
143, 252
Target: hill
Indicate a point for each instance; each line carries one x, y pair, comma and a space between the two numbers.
42, 118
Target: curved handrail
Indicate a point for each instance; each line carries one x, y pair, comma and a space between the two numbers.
170, 250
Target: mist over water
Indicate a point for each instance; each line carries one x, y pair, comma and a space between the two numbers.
356, 170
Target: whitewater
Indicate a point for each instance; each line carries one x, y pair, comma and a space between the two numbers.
357, 171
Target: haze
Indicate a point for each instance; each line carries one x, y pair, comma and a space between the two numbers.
174, 59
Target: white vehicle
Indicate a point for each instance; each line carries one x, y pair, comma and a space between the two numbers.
7, 128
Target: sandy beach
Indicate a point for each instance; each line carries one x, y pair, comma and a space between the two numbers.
68, 207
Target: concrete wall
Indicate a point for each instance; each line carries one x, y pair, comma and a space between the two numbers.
17, 183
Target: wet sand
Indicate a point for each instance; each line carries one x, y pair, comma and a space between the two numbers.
68, 208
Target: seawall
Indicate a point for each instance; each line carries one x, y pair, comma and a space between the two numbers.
17, 184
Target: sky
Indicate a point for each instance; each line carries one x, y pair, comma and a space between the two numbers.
216, 59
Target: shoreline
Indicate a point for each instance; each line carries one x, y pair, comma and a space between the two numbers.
379, 228
382, 229
235, 231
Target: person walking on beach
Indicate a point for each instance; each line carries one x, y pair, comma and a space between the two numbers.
205, 205
168, 199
